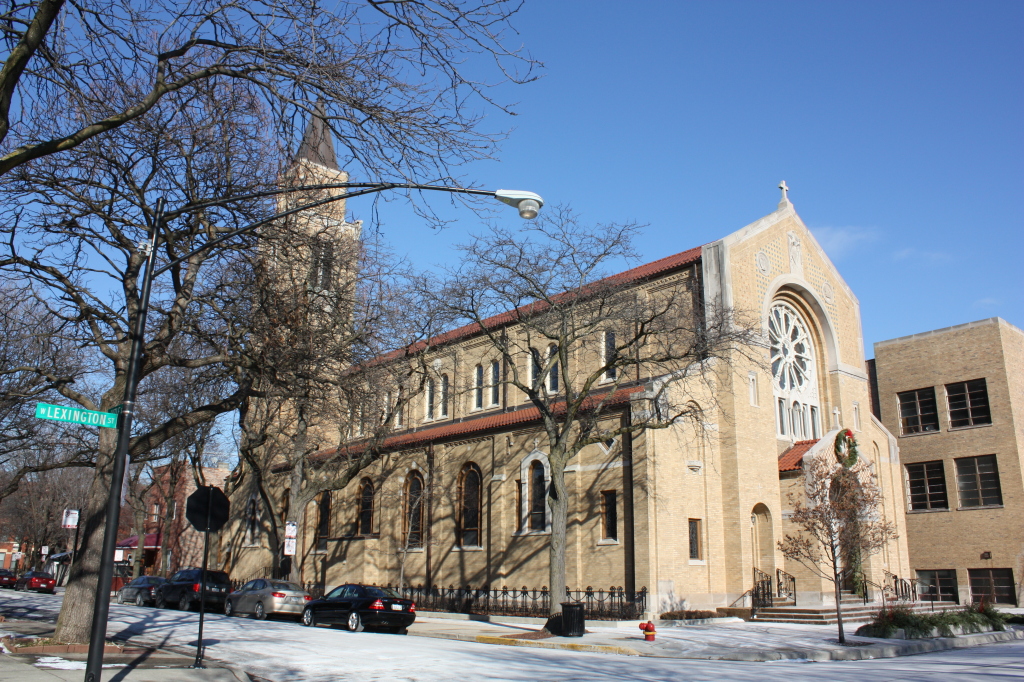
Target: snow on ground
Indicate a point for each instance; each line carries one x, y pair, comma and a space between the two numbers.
286, 652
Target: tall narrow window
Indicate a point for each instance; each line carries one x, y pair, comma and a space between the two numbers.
781, 416
323, 521
469, 507
609, 515
856, 416
400, 408
695, 540
917, 410
430, 397
366, 508
322, 272
610, 355
797, 421
478, 392
977, 480
444, 395
286, 503
553, 370
414, 510
252, 521
519, 505
536, 369
538, 497
926, 485
495, 382
968, 404
815, 422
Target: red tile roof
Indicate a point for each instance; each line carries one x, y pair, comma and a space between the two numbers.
637, 274
791, 459
471, 426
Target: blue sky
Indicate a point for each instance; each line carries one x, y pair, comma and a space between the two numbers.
897, 127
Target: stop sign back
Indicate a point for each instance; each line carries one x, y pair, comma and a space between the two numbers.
207, 503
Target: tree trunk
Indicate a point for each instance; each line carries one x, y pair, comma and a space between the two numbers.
839, 602
75, 620
558, 500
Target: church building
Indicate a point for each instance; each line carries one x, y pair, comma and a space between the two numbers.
693, 515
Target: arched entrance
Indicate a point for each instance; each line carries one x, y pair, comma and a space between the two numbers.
762, 539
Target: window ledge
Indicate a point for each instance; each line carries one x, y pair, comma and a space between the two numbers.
922, 433
607, 541
412, 550
468, 548
968, 428
927, 511
522, 533
981, 506
698, 562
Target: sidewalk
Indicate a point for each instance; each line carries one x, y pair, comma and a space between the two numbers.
27, 668
727, 641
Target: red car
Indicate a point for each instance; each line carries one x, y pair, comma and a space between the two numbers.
7, 578
37, 581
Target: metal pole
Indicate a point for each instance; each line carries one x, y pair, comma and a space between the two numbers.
101, 609
202, 582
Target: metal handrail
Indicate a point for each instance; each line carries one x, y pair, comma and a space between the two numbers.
785, 585
761, 594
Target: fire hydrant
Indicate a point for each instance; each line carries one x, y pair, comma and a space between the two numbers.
648, 630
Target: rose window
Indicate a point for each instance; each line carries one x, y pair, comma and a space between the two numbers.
791, 355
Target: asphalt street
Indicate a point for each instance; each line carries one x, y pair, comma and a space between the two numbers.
284, 651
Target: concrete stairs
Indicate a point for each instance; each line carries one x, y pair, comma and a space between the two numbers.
854, 611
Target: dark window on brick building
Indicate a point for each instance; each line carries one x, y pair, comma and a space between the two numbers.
937, 585
968, 403
610, 514
695, 548
977, 480
917, 411
992, 585
926, 483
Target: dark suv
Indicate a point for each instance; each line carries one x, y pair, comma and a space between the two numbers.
182, 590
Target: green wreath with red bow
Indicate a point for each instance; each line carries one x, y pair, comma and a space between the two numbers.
846, 448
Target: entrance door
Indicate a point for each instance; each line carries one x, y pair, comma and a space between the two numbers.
763, 539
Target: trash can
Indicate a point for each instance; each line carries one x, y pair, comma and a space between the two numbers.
572, 619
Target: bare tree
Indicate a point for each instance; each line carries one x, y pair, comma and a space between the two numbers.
396, 77
581, 344
839, 518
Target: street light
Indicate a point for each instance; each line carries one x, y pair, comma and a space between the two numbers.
528, 204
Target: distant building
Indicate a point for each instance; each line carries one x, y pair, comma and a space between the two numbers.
167, 531
955, 397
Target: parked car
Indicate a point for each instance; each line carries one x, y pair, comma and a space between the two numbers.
7, 578
362, 606
141, 591
264, 598
182, 590
36, 580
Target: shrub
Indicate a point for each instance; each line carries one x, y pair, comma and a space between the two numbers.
969, 618
688, 615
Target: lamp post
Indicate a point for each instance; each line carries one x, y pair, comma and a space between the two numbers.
527, 203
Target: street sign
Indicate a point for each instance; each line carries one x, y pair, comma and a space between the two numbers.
44, 550
289, 546
70, 519
207, 502
76, 415
291, 529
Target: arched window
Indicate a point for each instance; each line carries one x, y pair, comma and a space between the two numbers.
323, 521
478, 393
444, 395
430, 398
553, 370
536, 368
414, 510
366, 507
609, 356
538, 497
495, 382
469, 506
794, 374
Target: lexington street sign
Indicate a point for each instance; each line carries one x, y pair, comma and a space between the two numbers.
76, 415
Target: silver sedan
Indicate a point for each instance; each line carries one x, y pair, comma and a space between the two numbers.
263, 598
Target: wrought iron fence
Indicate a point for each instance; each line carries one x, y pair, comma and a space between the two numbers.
761, 594
785, 585
614, 603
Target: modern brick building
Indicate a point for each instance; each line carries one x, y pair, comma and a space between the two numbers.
955, 397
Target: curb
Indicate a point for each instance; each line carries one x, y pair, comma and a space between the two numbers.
872, 651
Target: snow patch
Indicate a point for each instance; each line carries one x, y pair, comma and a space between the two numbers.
58, 663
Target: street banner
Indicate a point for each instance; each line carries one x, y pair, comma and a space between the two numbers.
70, 519
289, 546
291, 529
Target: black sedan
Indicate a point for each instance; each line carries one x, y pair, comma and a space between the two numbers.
141, 591
362, 606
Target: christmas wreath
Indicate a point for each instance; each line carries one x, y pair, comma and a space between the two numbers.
846, 448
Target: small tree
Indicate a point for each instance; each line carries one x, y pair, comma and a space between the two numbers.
839, 518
